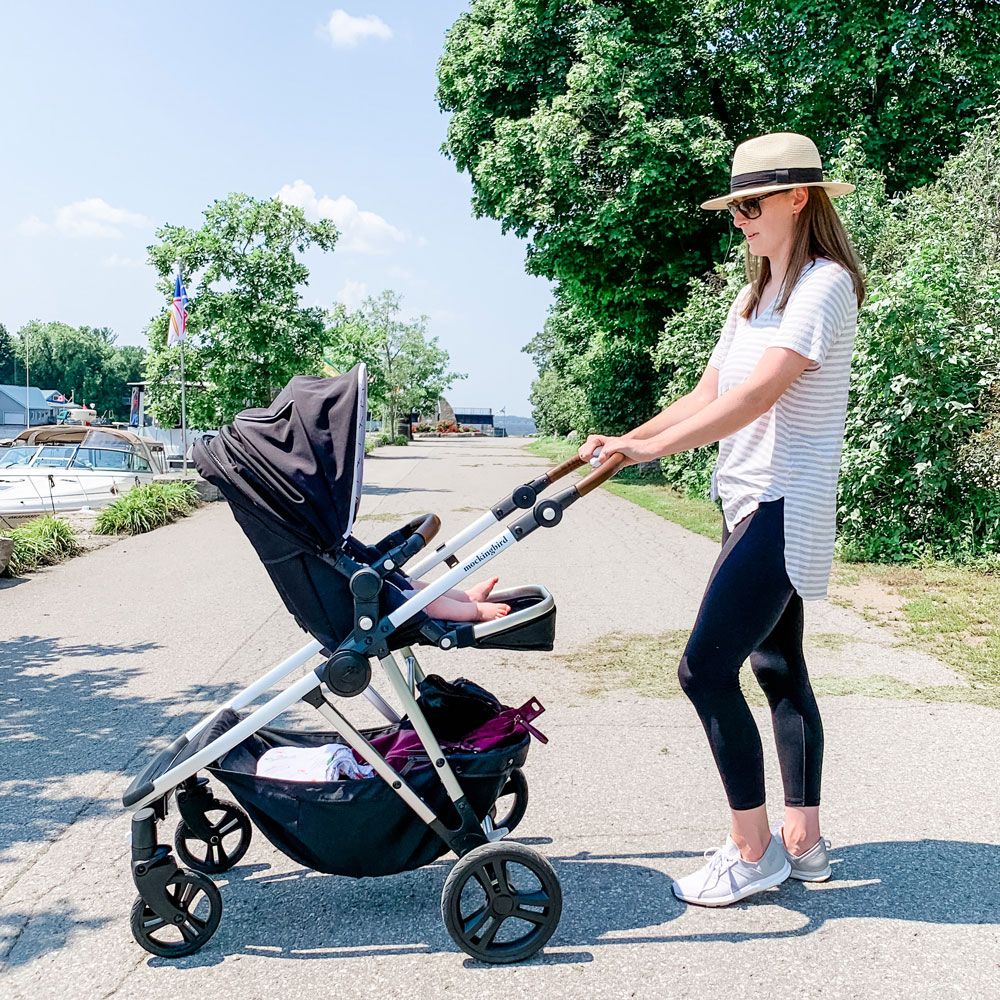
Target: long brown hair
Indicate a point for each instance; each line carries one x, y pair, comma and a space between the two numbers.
818, 233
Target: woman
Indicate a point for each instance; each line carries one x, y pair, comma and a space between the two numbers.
774, 395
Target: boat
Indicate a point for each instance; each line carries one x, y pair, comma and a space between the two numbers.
62, 467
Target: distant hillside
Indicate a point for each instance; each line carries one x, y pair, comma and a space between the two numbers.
515, 426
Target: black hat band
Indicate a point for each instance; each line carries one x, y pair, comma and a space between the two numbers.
789, 175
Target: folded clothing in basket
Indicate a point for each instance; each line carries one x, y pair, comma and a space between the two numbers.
330, 762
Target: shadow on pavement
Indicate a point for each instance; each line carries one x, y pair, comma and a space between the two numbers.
58, 723
607, 900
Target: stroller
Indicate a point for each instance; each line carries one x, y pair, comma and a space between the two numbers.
292, 474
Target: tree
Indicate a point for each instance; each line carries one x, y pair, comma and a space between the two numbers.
594, 128
249, 333
407, 371
82, 362
7, 357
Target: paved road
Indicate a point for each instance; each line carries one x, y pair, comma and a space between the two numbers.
110, 655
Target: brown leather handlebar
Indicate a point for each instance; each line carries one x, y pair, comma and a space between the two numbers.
564, 468
600, 475
426, 526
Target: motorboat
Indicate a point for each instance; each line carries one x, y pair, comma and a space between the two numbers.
70, 467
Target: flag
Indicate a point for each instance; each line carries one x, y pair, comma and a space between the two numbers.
178, 314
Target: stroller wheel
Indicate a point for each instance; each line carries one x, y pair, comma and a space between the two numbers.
501, 902
201, 902
229, 832
517, 786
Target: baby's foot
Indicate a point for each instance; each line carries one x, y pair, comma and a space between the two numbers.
482, 590
489, 611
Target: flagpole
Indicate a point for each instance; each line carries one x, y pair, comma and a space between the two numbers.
184, 447
184, 444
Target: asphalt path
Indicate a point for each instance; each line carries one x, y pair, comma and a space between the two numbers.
110, 656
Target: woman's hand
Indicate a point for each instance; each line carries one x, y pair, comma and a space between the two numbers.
634, 451
593, 442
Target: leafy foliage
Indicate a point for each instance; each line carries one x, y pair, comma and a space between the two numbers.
248, 332
146, 507
41, 542
594, 128
407, 371
7, 358
80, 361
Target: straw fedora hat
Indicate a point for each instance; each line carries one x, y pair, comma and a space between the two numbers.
779, 161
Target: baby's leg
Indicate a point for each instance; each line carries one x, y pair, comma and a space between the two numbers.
465, 611
476, 594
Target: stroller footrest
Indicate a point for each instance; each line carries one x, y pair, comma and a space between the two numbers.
531, 623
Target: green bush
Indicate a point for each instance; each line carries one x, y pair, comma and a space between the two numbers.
147, 507
920, 458
381, 440
42, 542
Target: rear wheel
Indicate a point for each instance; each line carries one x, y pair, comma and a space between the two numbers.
229, 833
501, 902
512, 802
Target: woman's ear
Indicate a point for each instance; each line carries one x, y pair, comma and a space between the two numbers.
799, 198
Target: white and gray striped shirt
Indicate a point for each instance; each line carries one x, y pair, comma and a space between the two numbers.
793, 450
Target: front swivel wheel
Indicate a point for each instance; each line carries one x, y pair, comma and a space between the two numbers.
501, 902
199, 905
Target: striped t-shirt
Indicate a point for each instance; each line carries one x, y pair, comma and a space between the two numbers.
793, 450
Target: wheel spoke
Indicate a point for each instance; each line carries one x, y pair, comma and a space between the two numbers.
222, 856
538, 898
487, 939
482, 876
153, 922
472, 924
188, 933
532, 916
186, 895
227, 826
500, 874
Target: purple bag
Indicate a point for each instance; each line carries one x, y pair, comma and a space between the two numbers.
507, 727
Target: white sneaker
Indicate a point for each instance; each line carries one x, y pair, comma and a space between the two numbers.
813, 865
727, 878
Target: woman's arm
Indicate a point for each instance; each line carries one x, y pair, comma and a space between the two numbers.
777, 369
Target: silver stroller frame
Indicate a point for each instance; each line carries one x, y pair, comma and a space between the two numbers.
166, 890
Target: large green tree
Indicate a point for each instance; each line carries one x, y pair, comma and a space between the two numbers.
249, 331
594, 128
407, 370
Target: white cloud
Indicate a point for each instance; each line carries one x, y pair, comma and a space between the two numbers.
92, 217
360, 231
347, 32
352, 293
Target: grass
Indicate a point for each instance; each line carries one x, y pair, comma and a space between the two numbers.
147, 507
647, 664
947, 611
41, 542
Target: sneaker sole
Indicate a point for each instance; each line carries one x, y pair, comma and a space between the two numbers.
821, 876
769, 883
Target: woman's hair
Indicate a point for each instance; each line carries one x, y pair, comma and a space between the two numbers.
818, 233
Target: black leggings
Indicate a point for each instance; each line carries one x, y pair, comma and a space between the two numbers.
750, 608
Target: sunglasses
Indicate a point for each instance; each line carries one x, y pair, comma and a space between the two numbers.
750, 207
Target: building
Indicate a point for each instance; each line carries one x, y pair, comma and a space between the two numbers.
12, 409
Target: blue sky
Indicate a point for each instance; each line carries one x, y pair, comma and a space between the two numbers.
120, 117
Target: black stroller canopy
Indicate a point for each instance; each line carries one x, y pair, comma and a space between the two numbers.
299, 460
